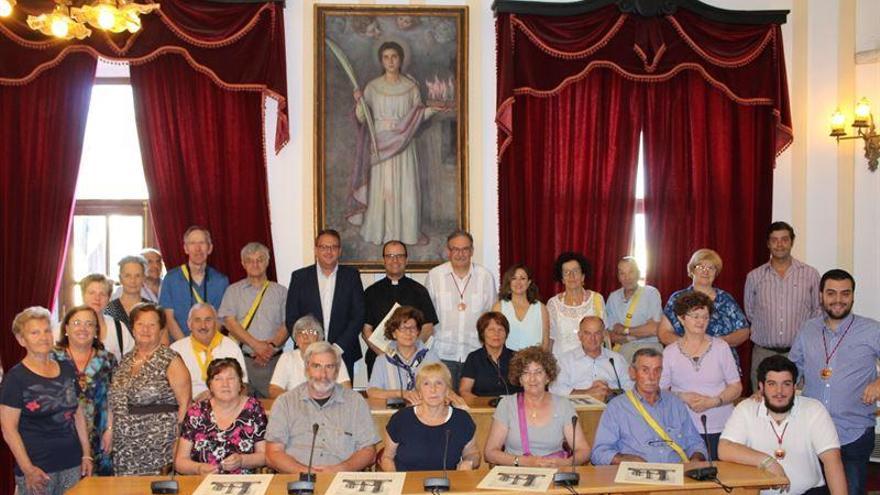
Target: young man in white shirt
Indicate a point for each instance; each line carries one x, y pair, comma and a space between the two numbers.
785, 434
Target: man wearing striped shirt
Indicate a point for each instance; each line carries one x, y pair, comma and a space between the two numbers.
779, 297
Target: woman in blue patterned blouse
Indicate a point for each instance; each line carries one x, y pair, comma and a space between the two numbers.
727, 321
80, 345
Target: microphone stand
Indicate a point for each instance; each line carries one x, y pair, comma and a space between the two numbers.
396, 402
169, 486
437, 485
306, 483
571, 478
493, 402
619, 390
709, 472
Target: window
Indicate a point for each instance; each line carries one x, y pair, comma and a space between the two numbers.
111, 216
640, 239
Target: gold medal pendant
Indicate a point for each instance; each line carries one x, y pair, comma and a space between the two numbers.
825, 373
462, 306
780, 454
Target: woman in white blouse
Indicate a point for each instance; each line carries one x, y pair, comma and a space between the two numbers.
569, 307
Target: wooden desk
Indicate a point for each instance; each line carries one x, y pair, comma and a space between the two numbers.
594, 479
481, 413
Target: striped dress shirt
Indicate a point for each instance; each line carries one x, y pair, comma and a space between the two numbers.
777, 305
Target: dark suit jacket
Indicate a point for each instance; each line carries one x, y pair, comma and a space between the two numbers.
347, 313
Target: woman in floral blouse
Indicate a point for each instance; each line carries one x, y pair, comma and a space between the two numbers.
79, 345
224, 434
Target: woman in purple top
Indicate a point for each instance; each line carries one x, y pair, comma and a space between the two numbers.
700, 369
226, 433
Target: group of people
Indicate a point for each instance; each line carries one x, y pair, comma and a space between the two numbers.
105, 393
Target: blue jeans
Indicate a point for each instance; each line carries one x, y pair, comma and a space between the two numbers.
855, 456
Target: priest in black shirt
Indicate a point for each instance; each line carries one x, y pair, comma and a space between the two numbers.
396, 287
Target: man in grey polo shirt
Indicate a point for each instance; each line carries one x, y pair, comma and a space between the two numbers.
346, 436
253, 312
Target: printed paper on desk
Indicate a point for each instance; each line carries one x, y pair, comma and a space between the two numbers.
584, 400
378, 337
518, 479
650, 473
244, 484
358, 483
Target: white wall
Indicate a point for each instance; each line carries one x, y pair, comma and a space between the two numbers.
823, 188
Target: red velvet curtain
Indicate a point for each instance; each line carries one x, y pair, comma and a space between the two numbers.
203, 160
569, 183
41, 133
709, 183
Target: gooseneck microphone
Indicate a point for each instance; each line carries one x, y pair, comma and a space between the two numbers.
569, 478
493, 402
619, 389
306, 483
168, 486
437, 485
396, 402
709, 472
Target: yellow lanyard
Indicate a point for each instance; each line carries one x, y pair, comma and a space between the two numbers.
249, 317
185, 270
199, 348
630, 311
656, 427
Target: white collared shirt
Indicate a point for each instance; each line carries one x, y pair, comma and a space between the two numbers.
455, 336
326, 288
579, 371
809, 432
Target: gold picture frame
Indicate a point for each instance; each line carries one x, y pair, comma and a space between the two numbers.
392, 161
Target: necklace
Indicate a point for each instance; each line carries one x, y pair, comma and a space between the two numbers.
825, 373
461, 304
81, 369
779, 452
696, 361
140, 360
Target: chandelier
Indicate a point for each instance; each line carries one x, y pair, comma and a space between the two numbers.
68, 22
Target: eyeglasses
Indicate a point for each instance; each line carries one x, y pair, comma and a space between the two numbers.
309, 331
326, 367
697, 316
706, 268
572, 273
464, 250
408, 328
84, 323
394, 257
327, 247
537, 372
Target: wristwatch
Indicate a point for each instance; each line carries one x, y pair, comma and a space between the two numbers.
626, 331
516, 461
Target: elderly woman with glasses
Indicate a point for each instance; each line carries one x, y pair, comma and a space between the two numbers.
727, 320
568, 308
530, 428
700, 369
79, 345
290, 370
226, 433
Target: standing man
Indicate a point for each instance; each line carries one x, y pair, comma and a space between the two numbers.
205, 344
779, 297
837, 356
192, 282
784, 434
253, 312
461, 291
396, 287
632, 312
331, 293
591, 368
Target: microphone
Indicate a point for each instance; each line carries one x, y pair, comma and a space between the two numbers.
396, 402
437, 485
569, 478
619, 389
709, 472
168, 486
493, 402
306, 483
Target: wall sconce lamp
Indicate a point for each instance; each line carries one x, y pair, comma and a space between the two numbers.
863, 122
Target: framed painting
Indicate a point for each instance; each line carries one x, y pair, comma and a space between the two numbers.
391, 129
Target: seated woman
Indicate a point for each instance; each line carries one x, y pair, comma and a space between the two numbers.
529, 428
42, 421
79, 345
700, 369
290, 369
411, 429
395, 371
520, 302
224, 434
484, 373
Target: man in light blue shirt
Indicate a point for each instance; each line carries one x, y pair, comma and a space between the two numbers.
633, 312
590, 368
837, 357
623, 434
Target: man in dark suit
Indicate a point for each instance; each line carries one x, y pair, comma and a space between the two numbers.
331, 293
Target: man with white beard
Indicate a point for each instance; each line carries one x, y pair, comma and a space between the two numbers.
346, 435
